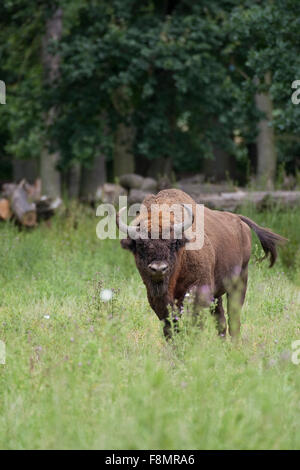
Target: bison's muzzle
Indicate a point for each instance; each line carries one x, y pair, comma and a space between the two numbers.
157, 270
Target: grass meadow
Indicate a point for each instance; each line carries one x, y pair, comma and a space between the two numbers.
81, 373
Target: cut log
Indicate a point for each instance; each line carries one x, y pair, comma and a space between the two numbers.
24, 211
137, 195
131, 181
34, 190
5, 212
260, 199
110, 193
46, 207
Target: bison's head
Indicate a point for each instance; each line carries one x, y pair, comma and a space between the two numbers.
156, 259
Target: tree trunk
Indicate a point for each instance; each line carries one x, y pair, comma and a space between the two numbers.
160, 167
266, 149
92, 178
221, 167
123, 154
74, 176
51, 184
123, 157
25, 169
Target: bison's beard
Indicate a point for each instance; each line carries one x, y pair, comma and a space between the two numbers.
155, 287
158, 288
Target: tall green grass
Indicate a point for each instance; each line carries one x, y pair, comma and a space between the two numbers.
81, 373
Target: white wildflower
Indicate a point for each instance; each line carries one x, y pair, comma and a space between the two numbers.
106, 295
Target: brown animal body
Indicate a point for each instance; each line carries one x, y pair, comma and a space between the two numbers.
169, 270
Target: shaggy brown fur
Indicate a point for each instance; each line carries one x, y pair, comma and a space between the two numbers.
219, 267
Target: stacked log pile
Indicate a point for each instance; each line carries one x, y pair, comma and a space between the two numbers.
220, 196
232, 201
25, 204
138, 187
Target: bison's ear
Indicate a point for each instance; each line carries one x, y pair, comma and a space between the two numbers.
128, 244
180, 242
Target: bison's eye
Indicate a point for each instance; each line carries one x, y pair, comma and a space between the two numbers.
179, 243
141, 248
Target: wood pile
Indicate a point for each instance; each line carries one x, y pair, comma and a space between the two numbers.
221, 196
232, 201
25, 204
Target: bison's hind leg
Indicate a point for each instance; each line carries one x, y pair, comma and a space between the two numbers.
235, 300
219, 314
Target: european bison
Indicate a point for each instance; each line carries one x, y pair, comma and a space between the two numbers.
169, 270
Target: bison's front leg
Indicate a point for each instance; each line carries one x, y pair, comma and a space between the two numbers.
164, 308
171, 323
219, 314
169, 327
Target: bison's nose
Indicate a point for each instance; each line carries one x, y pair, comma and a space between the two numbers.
158, 267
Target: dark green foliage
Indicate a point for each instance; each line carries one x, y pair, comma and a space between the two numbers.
181, 72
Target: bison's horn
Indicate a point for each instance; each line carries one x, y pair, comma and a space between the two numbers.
182, 226
124, 227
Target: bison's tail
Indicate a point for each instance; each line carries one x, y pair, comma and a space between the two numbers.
269, 240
